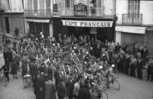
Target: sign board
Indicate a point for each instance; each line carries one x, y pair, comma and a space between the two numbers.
131, 29
85, 2
79, 23
38, 20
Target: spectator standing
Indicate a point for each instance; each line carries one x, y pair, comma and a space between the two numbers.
8, 59
2, 61
133, 64
150, 70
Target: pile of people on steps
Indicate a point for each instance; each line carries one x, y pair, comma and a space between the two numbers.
73, 67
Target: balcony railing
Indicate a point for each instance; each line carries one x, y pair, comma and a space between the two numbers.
96, 12
38, 13
132, 19
90, 12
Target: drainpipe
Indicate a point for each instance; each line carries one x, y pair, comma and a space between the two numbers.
114, 8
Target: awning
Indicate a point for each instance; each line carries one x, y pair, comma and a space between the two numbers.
38, 20
131, 29
149, 29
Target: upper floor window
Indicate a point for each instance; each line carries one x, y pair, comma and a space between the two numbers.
134, 7
67, 3
93, 3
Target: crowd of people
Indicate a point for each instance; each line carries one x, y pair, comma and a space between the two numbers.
73, 67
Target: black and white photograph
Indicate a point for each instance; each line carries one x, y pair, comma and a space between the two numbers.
76, 49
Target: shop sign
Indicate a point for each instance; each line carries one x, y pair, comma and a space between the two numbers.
79, 23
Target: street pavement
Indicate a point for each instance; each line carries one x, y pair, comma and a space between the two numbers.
131, 88
15, 90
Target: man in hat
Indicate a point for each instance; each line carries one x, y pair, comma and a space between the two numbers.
40, 86
8, 59
61, 89
69, 86
150, 69
84, 91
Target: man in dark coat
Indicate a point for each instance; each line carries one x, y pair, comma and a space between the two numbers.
40, 87
8, 59
69, 86
150, 70
140, 65
61, 89
15, 65
133, 64
127, 63
34, 73
84, 92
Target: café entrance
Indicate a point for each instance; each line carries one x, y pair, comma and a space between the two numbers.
101, 29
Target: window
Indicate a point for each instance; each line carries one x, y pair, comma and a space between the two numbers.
99, 3
48, 4
134, 7
134, 16
67, 3
35, 5
93, 2
7, 25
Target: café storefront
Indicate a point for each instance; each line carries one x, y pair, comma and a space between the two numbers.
102, 29
84, 21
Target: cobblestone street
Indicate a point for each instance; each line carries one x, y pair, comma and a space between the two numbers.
130, 89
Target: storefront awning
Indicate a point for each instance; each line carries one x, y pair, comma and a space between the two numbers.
149, 29
38, 20
131, 29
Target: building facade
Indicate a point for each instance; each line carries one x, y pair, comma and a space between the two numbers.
135, 19
53, 17
85, 17
11, 17
38, 14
